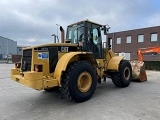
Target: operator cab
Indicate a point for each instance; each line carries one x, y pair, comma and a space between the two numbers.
88, 35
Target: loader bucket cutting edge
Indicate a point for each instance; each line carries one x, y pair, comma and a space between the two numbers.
138, 71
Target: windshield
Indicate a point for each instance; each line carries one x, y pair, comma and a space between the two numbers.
75, 33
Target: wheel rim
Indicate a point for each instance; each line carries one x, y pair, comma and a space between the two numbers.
84, 81
126, 73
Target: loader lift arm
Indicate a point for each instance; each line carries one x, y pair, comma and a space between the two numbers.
142, 51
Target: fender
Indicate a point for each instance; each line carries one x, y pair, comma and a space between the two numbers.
113, 64
65, 60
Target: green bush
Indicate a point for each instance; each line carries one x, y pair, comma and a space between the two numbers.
152, 65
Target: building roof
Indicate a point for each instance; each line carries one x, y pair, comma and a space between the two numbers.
138, 29
7, 38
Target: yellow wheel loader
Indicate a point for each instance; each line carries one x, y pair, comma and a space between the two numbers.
75, 65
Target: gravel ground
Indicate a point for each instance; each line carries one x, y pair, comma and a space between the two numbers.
139, 101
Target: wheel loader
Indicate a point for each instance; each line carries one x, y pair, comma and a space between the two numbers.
75, 65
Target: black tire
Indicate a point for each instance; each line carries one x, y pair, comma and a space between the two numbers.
124, 76
52, 89
70, 81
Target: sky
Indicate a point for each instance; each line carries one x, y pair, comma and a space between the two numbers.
32, 22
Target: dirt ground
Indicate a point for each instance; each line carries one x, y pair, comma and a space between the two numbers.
139, 101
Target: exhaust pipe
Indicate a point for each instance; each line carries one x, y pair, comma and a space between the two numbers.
62, 34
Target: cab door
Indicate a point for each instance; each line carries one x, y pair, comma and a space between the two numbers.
94, 40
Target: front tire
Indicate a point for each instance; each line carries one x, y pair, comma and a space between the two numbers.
79, 81
124, 76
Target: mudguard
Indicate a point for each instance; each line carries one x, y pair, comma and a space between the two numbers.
65, 60
113, 63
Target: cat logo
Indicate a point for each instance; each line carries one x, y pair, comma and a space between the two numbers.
64, 49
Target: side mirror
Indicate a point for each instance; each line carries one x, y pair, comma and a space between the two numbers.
105, 29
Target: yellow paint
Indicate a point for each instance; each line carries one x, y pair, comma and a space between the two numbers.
63, 62
101, 67
109, 54
34, 80
84, 81
112, 60
60, 54
52, 44
42, 80
45, 79
68, 58
43, 62
35, 84
100, 62
33, 75
49, 83
14, 71
113, 64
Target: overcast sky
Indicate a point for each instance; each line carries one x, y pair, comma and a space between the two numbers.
32, 22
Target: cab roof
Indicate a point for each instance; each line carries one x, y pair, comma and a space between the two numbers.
83, 22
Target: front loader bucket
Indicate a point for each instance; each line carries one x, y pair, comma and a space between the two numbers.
138, 71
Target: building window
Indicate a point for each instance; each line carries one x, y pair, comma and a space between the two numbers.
153, 36
140, 38
20, 49
128, 39
151, 54
118, 40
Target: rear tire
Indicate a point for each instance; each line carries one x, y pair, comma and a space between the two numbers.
124, 76
79, 81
